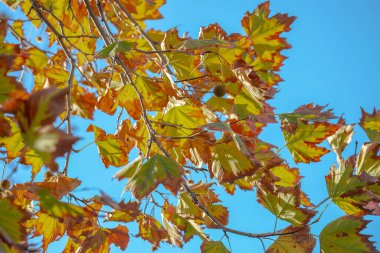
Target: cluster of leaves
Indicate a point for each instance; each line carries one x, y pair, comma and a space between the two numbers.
189, 105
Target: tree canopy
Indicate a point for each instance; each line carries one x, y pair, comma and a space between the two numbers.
188, 117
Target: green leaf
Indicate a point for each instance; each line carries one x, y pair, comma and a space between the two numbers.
213, 247
343, 236
157, 170
108, 51
245, 104
195, 44
112, 49
10, 220
302, 141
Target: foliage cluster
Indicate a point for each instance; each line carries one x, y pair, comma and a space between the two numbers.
189, 106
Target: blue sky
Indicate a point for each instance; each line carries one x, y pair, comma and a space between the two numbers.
334, 60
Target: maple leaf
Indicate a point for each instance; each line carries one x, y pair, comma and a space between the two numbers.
56, 208
157, 170
176, 225
341, 138
151, 230
119, 236
368, 160
343, 235
59, 185
309, 113
35, 117
126, 212
348, 191
370, 123
298, 242
285, 204
287, 177
229, 163
302, 141
112, 149
213, 247
49, 227
265, 32
10, 219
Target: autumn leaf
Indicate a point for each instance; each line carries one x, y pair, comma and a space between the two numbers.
59, 185
113, 150
126, 212
343, 235
370, 123
49, 227
151, 230
309, 113
213, 247
368, 160
229, 163
341, 138
302, 141
114, 48
265, 31
301, 241
285, 204
10, 219
57, 209
157, 170
185, 118
287, 177
35, 117
347, 190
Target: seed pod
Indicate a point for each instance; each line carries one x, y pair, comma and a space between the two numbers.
219, 90
5, 184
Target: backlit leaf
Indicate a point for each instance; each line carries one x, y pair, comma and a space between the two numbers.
285, 204
302, 141
368, 159
10, 219
348, 191
157, 170
213, 247
229, 163
298, 242
343, 236
151, 230
49, 227
112, 149
370, 123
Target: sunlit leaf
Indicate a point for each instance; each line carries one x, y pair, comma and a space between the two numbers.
213, 247
301, 241
343, 236
347, 190
302, 141
112, 149
157, 170
10, 219
370, 123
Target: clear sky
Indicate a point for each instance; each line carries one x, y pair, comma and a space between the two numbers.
334, 60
